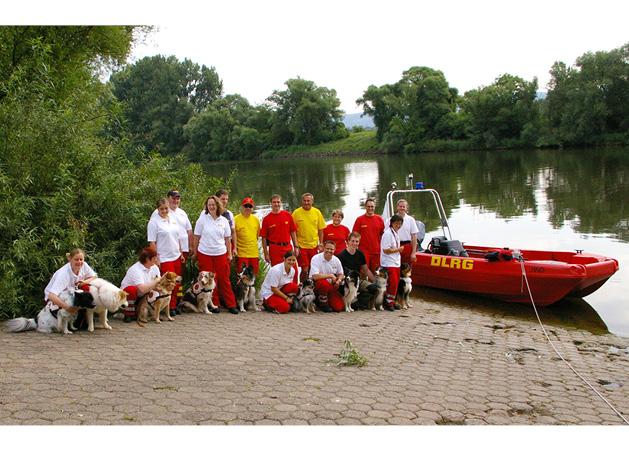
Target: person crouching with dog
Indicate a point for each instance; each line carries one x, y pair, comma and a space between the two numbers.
163, 237
140, 279
279, 288
213, 251
327, 272
73, 274
391, 258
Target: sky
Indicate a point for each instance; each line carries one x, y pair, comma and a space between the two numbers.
348, 45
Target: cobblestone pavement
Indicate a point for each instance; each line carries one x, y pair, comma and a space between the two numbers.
432, 364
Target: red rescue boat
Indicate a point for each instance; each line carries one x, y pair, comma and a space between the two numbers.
506, 274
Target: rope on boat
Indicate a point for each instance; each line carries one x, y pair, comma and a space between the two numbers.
557, 352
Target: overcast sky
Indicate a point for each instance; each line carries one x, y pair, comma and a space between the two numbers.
256, 46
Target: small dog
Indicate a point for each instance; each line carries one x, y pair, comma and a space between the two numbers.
382, 277
58, 320
199, 296
244, 290
404, 287
349, 288
305, 298
157, 299
107, 297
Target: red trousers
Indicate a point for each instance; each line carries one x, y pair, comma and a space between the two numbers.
132, 296
219, 266
253, 261
373, 261
274, 302
406, 253
394, 280
176, 267
328, 295
276, 252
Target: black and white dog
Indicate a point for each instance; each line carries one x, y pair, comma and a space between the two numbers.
245, 290
349, 288
305, 297
382, 278
56, 319
405, 286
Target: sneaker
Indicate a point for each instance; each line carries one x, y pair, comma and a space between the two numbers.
216, 310
233, 310
127, 319
177, 310
396, 307
173, 312
326, 308
389, 308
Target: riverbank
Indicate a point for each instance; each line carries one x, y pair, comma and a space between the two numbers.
434, 364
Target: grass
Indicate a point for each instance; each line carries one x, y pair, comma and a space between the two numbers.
361, 142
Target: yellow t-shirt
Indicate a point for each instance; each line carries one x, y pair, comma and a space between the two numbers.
248, 231
308, 225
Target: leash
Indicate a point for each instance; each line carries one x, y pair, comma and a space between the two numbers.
521, 260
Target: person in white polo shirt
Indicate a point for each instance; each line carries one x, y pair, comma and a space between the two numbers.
408, 232
213, 251
71, 275
279, 287
141, 278
327, 272
163, 237
390, 258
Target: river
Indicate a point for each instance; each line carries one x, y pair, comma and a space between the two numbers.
534, 199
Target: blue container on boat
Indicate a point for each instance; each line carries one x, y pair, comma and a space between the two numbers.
419, 185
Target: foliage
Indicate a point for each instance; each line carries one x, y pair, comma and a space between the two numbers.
349, 356
225, 131
60, 184
591, 100
418, 107
500, 112
160, 95
305, 114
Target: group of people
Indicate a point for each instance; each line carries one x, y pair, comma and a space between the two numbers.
298, 246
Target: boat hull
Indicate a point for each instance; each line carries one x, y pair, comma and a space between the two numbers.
543, 277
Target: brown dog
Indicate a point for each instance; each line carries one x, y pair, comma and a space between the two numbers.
405, 286
382, 277
157, 300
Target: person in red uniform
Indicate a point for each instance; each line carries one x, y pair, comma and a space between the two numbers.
371, 227
336, 232
278, 233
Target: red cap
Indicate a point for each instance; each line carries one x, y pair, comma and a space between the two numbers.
247, 201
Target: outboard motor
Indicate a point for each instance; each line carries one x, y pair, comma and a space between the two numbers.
440, 245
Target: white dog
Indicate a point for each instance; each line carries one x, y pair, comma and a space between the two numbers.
107, 297
56, 320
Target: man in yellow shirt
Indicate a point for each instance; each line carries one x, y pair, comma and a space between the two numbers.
310, 225
247, 227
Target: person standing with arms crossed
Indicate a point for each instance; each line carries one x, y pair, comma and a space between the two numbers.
310, 225
408, 232
371, 227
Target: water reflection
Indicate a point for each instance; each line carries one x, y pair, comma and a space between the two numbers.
555, 199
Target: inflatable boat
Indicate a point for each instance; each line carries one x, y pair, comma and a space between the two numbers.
513, 275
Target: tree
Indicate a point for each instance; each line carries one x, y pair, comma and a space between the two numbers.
498, 114
225, 131
160, 96
305, 114
590, 100
415, 109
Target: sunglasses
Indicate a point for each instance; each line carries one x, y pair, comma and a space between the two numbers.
248, 206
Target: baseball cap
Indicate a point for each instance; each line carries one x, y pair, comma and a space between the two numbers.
247, 201
174, 193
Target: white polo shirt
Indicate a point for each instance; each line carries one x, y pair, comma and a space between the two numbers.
409, 226
319, 265
212, 233
139, 274
184, 225
165, 234
276, 277
390, 239
64, 278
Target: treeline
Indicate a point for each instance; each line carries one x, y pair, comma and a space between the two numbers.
65, 180
179, 107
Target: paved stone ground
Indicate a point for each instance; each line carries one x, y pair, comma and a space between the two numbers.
432, 364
